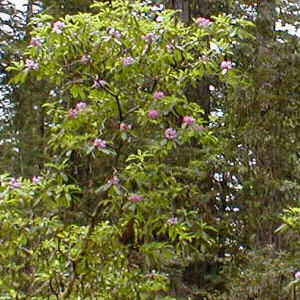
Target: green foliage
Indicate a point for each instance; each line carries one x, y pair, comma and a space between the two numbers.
291, 220
265, 274
113, 220
128, 208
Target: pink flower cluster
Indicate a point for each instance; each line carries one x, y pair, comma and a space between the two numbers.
172, 221
99, 83
159, 19
35, 41
135, 198
226, 65
202, 22
125, 127
58, 26
189, 120
114, 33
114, 180
158, 95
31, 64
297, 275
73, 113
15, 183
36, 179
98, 143
80, 106
149, 38
170, 133
128, 60
153, 113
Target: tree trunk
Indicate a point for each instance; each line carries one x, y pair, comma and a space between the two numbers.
184, 6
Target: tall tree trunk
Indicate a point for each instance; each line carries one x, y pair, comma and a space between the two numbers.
200, 94
184, 6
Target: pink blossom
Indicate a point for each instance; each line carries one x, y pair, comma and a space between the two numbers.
35, 41
149, 38
114, 33
135, 198
159, 19
202, 22
73, 113
170, 133
189, 120
297, 275
85, 59
36, 179
124, 127
31, 64
128, 60
96, 84
99, 83
158, 95
152, 114
99, 143
102, 82
114, 180
226, 64
58, 26
157, 7
15, 183
80, 106
172, 221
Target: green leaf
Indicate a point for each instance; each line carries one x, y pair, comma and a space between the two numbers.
103, 188
108, 151
163, 142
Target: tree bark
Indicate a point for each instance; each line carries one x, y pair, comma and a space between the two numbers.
184, 7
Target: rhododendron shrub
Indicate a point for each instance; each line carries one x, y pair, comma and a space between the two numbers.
120, 201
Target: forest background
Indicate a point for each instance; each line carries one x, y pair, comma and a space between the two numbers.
150, 150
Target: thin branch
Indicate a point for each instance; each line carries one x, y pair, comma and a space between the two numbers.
52, 289
131, 111
119, 108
